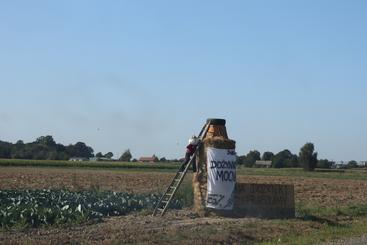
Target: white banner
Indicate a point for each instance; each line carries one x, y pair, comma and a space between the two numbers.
221, 167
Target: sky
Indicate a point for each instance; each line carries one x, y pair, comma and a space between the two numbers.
145, 75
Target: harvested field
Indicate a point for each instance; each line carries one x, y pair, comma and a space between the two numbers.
177, 227
323, 192
183, 226
83, 179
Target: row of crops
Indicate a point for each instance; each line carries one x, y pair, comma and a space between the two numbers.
49, 207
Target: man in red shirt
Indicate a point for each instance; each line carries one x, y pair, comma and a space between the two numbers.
190, 150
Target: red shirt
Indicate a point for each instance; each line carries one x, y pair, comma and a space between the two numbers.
191, 149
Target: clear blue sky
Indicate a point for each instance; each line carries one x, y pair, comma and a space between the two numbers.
145, 75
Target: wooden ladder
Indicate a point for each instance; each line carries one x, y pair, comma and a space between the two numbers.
167, 197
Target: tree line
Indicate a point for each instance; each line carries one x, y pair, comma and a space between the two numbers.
307, 158
45, 148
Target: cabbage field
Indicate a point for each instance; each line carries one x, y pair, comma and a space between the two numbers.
34, 208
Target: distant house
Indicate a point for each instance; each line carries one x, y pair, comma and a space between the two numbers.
362, 164
148, 159
78, 159
263, 164
340, 164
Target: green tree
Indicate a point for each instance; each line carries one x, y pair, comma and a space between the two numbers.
156, 159
5, 149
352, 164
39, 151
62, 156
292, 161
108, 155
163, 159
99, 154
267, 156
241, 160
126, 156
284, 159
52, 155
80, 149
324, 163
251, 158
44, 147
307, 157
46, 140
23, 151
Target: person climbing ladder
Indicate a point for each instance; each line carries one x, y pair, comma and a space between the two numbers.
190, 150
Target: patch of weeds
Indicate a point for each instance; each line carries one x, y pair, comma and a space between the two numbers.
95, 186
325, 233
357, 210
328, 228
75, 183
145, 212
185, 194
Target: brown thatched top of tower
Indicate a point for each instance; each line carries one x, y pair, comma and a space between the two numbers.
219, 142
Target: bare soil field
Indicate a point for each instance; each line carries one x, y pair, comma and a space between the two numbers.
323, 192
83, 179
177, 227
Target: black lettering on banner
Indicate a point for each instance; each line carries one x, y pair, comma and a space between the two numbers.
222, 164
231, 152
225, 175
214, 199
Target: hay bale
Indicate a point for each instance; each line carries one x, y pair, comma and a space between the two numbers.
201, 177
217, 131
219, 142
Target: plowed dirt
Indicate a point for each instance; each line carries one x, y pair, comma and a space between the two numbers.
177, 227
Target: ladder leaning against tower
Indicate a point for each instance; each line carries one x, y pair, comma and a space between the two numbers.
170, 192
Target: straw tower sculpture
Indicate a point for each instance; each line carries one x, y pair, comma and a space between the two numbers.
216, 137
